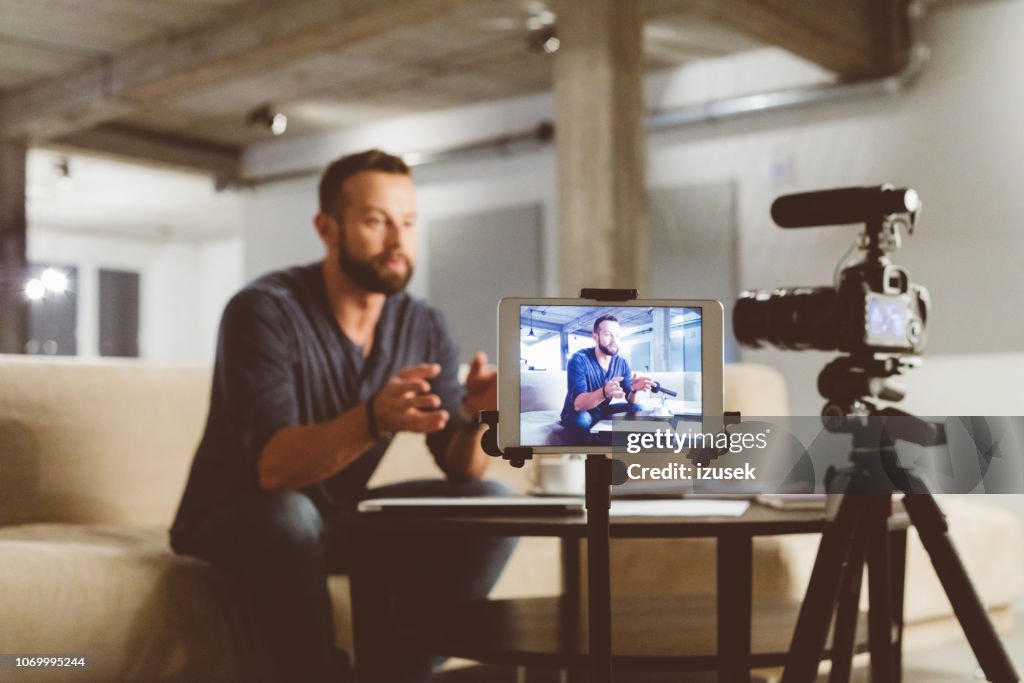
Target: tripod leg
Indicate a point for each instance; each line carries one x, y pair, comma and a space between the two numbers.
880, 634
845, 636
599, 589
898, 566
819, 603
931, 527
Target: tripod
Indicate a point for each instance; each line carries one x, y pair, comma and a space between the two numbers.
858, 534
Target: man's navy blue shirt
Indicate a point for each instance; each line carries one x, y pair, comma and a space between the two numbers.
283, 360
585, 374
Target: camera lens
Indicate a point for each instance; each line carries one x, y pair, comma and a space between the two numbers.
792, 318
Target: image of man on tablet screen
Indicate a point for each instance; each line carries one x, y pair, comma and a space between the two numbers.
600, 383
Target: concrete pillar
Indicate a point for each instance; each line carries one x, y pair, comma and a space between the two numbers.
661, 350
599, 114
13, 248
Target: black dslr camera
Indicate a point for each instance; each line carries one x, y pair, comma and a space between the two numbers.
873, 307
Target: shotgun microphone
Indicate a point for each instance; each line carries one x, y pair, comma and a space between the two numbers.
657, 387
842, 206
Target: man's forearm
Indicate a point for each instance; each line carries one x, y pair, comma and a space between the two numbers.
589, 399
298, 456
465, 458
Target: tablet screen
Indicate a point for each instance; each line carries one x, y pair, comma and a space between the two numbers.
585, 368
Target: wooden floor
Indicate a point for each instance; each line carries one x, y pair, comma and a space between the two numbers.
946, 664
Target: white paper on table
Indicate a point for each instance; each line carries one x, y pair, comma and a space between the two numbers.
678, 508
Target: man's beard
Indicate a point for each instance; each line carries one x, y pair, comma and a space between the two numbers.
607, 350
372, 274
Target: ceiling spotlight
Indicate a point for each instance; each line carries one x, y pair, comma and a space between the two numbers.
278, 124
266, 117
544, 40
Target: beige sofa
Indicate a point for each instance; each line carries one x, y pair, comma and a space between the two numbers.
93, 457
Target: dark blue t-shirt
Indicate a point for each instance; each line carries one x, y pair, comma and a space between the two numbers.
283, 360
585, 374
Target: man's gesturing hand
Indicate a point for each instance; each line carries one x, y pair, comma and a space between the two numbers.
612, 389
406, 404
641, 383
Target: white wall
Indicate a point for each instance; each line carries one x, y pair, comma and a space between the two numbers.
278, 217
183, 287
277, 226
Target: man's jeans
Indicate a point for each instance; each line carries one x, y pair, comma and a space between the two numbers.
579, 423
278, 549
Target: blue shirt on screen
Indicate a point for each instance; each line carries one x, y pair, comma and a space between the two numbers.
585, 374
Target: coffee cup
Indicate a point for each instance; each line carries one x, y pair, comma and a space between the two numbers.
560, 476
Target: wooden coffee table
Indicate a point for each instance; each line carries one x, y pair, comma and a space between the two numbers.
728, 633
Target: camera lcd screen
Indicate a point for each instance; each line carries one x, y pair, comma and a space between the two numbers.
887, 319
588, 371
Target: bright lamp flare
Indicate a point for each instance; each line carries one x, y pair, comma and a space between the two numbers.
35, 289
54, 280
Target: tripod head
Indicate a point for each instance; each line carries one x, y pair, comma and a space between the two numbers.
851, 386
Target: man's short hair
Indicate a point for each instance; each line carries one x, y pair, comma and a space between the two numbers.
342, 169
604, 318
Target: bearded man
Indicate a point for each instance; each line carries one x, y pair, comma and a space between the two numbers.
317, 367
596, 377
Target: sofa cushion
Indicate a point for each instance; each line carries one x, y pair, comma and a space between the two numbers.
142, 613
121, 597
104, 441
